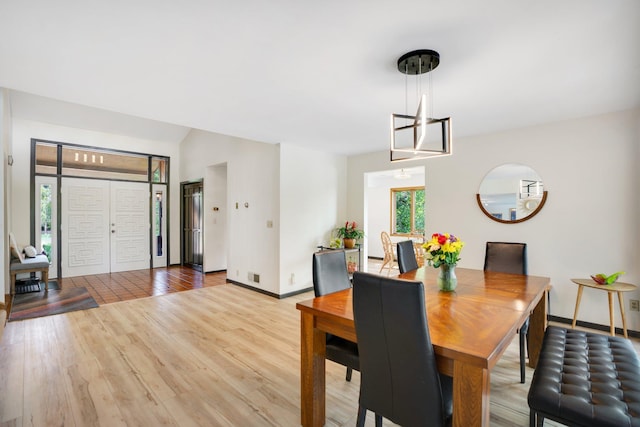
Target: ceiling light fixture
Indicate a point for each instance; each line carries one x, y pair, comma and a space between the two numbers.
402, 174
431, 137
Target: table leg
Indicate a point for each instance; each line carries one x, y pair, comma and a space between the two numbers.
537, 326
470, 395
624, 318
312, 372
612, 327
575, 313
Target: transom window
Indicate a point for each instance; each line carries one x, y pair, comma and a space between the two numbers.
89, 162
407, 211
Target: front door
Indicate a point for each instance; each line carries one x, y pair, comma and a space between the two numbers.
129, 223
104, 227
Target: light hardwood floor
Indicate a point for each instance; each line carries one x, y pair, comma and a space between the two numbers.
217, 356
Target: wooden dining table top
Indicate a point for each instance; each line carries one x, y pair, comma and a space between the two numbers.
475, 323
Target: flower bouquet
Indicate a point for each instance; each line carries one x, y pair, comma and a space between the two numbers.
443, 250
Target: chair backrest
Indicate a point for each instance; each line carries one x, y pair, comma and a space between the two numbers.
506, 257
330, 272
400, 379
387, 245
406, 256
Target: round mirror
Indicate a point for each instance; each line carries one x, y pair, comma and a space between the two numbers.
511, 193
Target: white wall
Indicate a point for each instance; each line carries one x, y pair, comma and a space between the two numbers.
312, 204
296, 197
5, 185
24, 130
589, 224
216, 235
252, 178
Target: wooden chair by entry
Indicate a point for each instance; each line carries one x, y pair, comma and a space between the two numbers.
399, 376
406, 256
389, 260
330, 275
507, 257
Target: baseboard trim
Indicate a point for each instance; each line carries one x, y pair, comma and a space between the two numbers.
298, 292
596, 326
215, 271
271, 294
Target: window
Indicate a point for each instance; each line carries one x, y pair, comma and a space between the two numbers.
407, 211
159, 169
81, 161
104, 164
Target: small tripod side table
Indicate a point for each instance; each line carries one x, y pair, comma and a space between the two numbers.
617, 287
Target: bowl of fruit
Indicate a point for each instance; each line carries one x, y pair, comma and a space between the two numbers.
603, 279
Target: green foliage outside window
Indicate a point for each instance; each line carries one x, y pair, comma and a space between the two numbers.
408, 210
45, 208
45, 217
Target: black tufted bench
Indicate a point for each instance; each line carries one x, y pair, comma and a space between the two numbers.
585, 379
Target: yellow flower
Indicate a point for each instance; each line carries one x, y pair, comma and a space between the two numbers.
443, 249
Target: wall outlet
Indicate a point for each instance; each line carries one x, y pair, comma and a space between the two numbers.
634, 305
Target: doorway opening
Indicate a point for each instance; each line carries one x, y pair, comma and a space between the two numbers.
191, 218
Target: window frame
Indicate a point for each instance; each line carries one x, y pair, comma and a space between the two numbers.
393, 211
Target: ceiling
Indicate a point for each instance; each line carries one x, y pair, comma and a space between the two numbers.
319, 74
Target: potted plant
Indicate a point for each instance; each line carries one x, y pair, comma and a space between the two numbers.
349, 234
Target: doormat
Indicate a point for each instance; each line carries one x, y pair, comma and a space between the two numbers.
39, 304
33, 285
27, 286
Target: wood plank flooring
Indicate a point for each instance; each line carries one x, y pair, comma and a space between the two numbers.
216, 356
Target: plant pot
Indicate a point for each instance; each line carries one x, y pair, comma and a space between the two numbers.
349, 243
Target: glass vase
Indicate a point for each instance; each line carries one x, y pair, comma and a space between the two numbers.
447, 280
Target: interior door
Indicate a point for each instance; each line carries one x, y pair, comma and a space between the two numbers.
129, 226
85, 226
192, 242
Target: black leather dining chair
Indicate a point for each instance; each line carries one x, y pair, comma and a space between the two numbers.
399, 378
330, 275
406, 256
509, 257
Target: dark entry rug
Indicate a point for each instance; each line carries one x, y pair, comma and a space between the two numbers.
28, 306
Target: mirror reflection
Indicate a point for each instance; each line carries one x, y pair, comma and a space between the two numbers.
511, 193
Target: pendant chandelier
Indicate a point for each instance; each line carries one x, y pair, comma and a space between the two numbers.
419, 136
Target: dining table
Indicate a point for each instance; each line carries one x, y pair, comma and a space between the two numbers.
470, 329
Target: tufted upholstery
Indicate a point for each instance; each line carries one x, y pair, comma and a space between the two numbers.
586, 379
